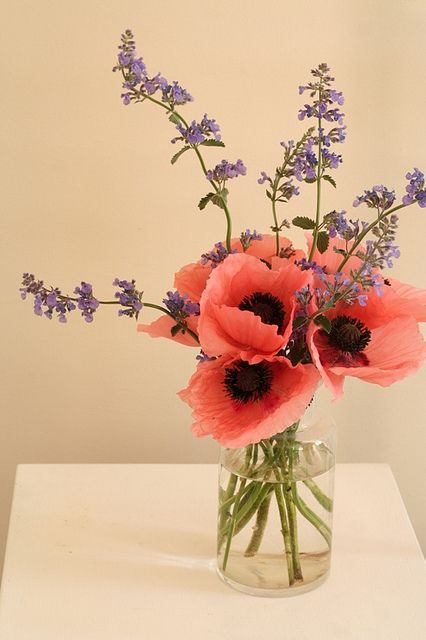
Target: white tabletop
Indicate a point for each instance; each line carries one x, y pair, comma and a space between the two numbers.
126, 552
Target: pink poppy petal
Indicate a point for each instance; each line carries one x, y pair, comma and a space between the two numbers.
192, 279
161, 328
396, 350
411, 300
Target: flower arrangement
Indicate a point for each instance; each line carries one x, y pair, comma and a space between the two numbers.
271, 321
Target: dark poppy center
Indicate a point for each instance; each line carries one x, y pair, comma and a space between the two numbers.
349, 334
246, 382
266, 306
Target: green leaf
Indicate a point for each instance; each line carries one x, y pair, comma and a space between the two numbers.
299, 321
310, 180
303, 222
176, 329
219, 198
179, 153
269, 194
324, 322
174, 118
212, 143
322, 241
330, 180
205, 200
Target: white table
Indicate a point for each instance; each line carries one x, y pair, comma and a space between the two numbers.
126, 552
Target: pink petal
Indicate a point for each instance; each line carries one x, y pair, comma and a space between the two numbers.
396, 350
192, 279
161, 328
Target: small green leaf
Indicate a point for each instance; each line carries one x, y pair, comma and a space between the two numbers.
205, 200
269, 194
299, 321
174, 118
303, 222
179, 153
324, 322
175, 329
330, 180
212, 143
310, 180
322, 241
219, 198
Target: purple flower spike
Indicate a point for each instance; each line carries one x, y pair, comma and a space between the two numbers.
129, 298
415, 189
226, 170
86, 302
216, 256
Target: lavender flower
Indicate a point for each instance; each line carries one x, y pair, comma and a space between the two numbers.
198, 132
415, 189
137, 81
305, 162
180, 306
86, 302
128, 297
247, 237
226, 170
203, 357
216, 256
46, 301
304, 265
379, 197
324, 96
264, 178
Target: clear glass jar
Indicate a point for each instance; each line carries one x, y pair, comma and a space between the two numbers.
275, 511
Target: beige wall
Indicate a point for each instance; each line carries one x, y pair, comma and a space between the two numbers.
88, 193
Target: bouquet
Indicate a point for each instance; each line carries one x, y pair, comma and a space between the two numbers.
270, 321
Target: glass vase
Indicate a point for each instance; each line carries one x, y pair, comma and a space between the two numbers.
275, 511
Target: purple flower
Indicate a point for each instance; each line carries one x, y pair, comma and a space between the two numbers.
247, 237
378, 197
305, 162
175, 94
46, 301
129, 298
216, 256
86, 302
203, 357
226, 170
304, 265
264, 178
180, 306
198, 132
415, 189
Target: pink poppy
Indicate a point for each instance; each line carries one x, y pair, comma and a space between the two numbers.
191, 280
247, 309
239, 403
377, 343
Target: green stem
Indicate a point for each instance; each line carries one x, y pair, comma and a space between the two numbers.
323, 500
233, 522
367, 230
307, 513
274, 214
203, 167
285, 532
317, 213
259, 527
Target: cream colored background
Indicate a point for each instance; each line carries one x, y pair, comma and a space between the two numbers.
89, 193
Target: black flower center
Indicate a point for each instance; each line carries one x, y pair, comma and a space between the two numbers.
349, 334
266, 306
246, 382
